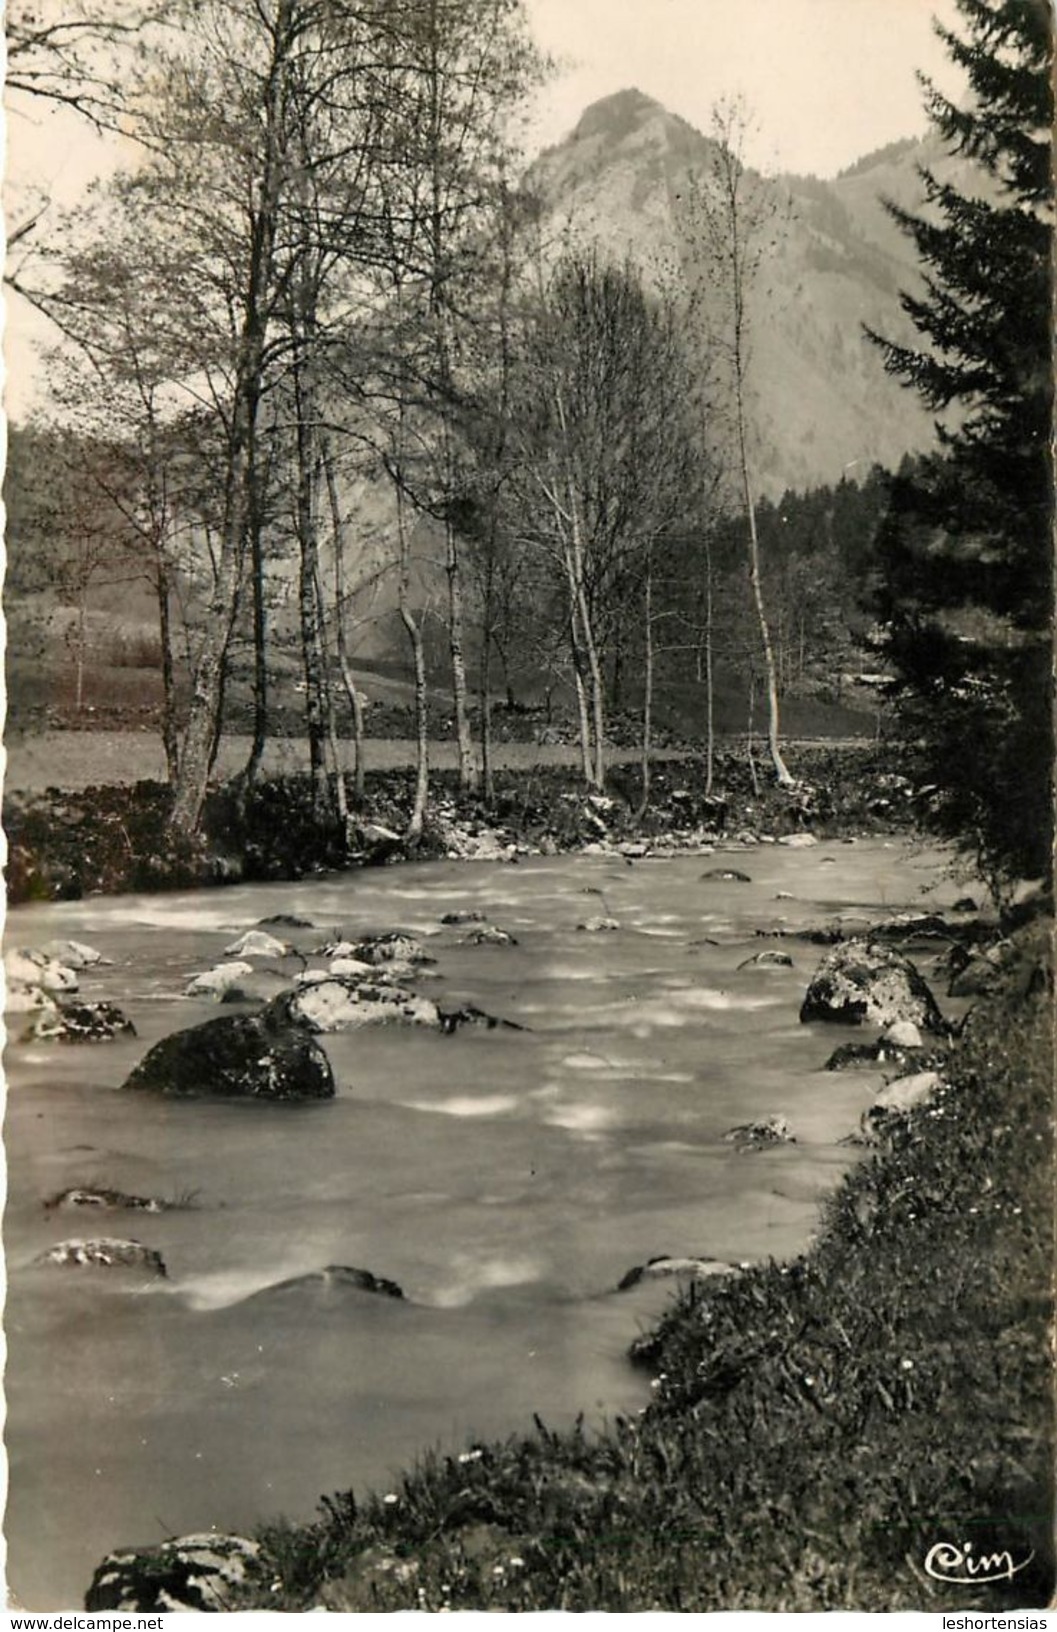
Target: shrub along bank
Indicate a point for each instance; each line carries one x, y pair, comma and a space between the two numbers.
108, 839
855, 1430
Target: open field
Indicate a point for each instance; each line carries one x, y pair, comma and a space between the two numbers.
84, 759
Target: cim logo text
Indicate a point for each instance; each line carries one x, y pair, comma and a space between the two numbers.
949, 1562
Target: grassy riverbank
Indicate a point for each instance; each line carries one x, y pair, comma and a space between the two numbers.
816, 1428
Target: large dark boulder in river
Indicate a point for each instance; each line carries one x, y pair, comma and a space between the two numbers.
190, 1573
238, 1056
862, 983
104, 1252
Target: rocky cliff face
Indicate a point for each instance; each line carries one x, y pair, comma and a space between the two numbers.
822, 404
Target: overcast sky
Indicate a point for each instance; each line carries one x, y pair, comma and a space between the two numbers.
827, 81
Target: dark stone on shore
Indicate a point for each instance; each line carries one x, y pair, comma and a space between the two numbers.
104, 1253
83, 1023
201, 1574
725, 875
851, 1056
238, 1056
966, 904
97, 1198
860, 982
335, 1277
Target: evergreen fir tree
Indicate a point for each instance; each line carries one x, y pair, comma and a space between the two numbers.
967, 548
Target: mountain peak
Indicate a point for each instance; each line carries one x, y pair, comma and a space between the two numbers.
617, 115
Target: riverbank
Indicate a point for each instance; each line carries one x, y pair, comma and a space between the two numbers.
67, 842
857, 1430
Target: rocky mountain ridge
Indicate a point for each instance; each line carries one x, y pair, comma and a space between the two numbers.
823, 406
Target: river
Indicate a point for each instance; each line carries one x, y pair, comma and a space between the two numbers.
506, 1180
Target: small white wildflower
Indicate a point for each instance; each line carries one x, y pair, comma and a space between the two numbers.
517, 1563
907, 1365
390, 1497
498, 1570
810, 1381
470, 1456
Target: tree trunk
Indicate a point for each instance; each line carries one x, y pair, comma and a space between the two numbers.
260, 645
169, 734
459, 689
710, 694
647, 694
418, 657
203, 716
344, 660
308, 601
340, 800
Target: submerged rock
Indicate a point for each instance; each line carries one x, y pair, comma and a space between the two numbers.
238, 1056
337, 1278
905, 1094
768, 960
598, 926
105, 1252
467, 915
74, 954
82, 1023
257, 943
773, 1130
725, 875
285, 920
489, 935
98, 1198
862, 983
216, 981
259, 986
343, 1002
26, 967
660, 1268
452, 1019
850, 1056
190, 1573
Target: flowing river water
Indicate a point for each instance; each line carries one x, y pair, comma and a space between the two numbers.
506, 1180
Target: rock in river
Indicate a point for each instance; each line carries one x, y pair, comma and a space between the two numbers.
257, 943
99, 1198
656, 1269
190, 1573
216, 981
238, 1056
104, 1252
859, 982
335, 1278
725, 875
774, 1130
342, 1002
82, 1023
